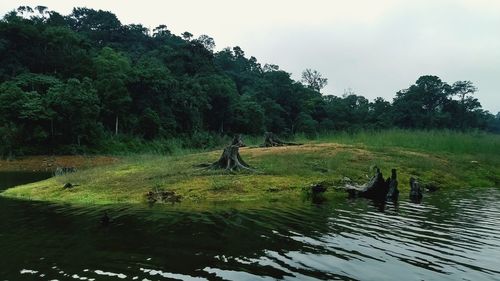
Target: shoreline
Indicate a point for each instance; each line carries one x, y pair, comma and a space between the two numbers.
49, 163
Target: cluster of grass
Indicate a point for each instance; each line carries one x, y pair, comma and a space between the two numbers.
449, 159
439, 141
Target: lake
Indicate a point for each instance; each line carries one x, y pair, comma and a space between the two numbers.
451, 235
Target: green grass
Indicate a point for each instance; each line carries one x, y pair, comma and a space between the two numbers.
429, 141
449, 159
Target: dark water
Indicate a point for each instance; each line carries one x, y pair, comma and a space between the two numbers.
452, 235
8, 179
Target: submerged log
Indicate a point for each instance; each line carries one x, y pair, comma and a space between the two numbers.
392, 183
376, 188
271, 140
230, 160
415, 190
238, 141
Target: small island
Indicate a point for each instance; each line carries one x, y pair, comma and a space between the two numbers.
446, 159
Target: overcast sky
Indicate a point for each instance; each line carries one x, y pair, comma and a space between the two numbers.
373, 47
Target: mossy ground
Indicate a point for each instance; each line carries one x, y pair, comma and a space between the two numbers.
448, 159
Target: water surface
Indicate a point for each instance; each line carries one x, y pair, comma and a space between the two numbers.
451, 235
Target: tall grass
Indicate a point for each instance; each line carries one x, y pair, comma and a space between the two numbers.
438, 141
442, 141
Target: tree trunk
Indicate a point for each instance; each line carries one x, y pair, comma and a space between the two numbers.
392, 183
230, 160
52, 127
116, 125
238, 141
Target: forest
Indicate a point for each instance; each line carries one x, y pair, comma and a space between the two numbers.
85, 82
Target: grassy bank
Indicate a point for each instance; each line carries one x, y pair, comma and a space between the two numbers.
449, 159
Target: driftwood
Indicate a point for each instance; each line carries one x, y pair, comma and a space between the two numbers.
376, 188
271, 140
238, 141
230, 160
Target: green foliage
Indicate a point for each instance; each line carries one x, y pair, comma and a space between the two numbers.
77, 106
68, 83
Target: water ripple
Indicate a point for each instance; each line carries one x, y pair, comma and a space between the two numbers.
451, 235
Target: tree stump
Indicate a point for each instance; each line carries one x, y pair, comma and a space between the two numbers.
271, 140
376, 188
415, 191
230, 160
238, 141
392, 183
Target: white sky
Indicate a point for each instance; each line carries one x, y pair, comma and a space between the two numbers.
375, 47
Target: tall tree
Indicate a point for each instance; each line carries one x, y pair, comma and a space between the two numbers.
421, 105
313, 79
207, 42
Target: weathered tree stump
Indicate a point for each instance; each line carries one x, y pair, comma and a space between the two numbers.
271, 140
230, 160
392, 183
376, 188
238, 141
415, 191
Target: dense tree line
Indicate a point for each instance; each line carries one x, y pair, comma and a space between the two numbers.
75, 80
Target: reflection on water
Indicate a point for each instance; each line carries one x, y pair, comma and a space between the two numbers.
452, 235
8, 179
